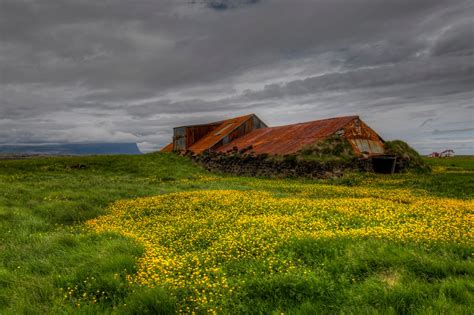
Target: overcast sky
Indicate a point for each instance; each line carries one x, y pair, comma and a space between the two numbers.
128, 71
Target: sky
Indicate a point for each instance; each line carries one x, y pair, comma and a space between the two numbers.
130, 71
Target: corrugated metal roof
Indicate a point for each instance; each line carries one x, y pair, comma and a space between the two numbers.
167, 148
287, 139
226, 127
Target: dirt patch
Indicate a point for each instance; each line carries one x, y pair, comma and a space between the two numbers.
390, 278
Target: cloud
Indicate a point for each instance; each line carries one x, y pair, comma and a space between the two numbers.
371, 77
443, 132
229, 4
457, 39
76, 70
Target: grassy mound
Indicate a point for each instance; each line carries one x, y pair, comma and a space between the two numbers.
407, 158
333, 148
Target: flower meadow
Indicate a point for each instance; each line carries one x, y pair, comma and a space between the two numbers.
155, 234
203, 246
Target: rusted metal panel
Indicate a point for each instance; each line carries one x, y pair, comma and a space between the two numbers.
363, 139
196, 133
226, 132
287, 139
239, 131
185, 136
167, 148
366, 146
246, 127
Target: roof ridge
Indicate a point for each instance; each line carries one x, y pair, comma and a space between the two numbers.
318, 120
215, 122
238, 120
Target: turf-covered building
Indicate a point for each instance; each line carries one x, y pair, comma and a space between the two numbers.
251, 135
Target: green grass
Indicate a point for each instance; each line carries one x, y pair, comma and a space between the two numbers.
365, 277
458, 163
48, 260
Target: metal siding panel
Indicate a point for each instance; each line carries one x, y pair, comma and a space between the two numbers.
368, 146
179, 139
167, 148
375, 147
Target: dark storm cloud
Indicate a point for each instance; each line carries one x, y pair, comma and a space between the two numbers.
456, 40
228, 4
130, 70
117, 42
372, 77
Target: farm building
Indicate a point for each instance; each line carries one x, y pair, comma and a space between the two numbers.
444, 154
248, 133
211, 136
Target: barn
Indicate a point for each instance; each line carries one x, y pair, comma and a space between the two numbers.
250, 134
211, 136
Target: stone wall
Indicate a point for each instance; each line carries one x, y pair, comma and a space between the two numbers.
288, 166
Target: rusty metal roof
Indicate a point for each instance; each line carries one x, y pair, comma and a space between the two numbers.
167, 148
226, 127
287, 139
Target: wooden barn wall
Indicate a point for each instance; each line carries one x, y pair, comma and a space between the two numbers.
184, 137
195, 133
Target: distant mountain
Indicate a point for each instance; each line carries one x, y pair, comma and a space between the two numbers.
72, 149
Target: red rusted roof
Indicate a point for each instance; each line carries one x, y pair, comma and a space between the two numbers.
287, 139
226, 127
167, 148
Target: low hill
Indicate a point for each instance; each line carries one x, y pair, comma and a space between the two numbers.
72, 149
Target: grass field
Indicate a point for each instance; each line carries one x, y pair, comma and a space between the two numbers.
156, 234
